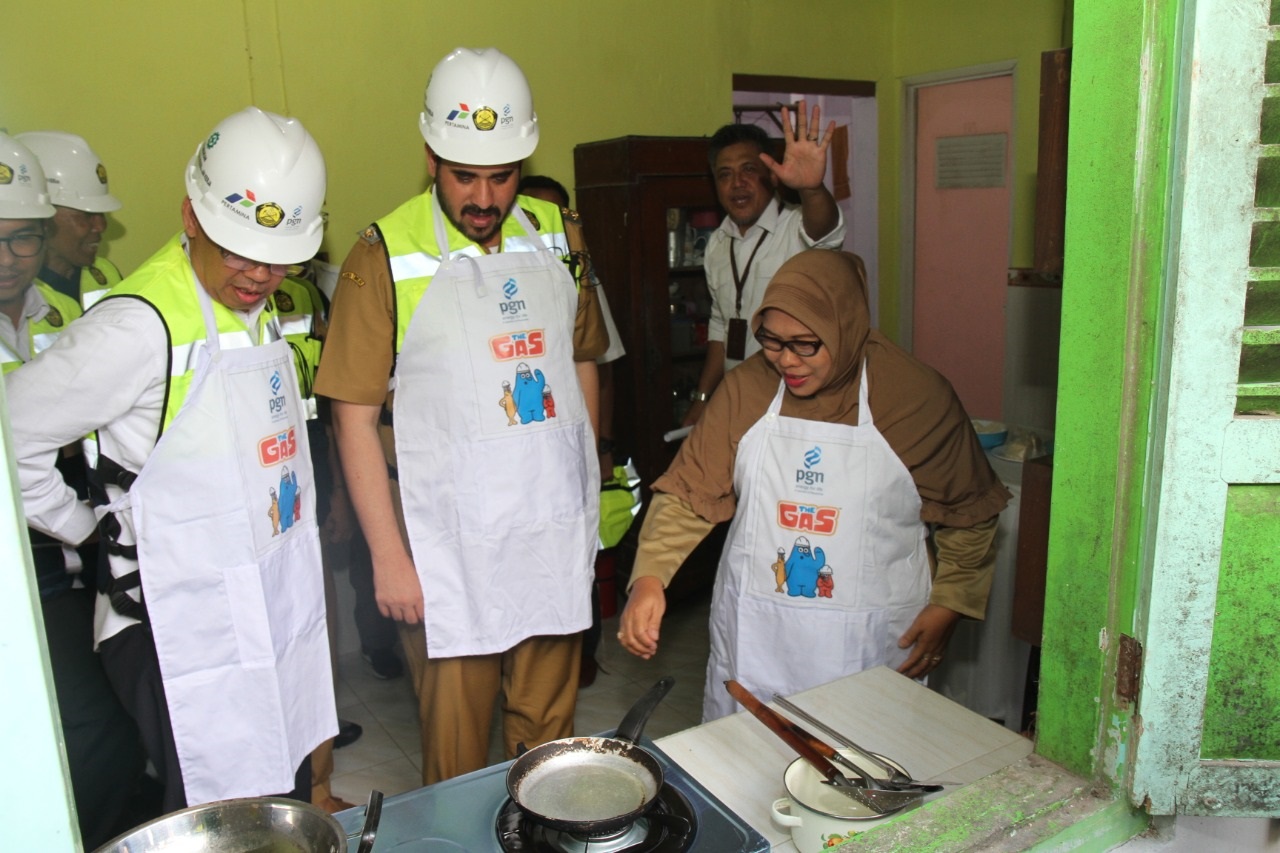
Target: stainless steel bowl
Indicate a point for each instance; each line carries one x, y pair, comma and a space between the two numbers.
249, 825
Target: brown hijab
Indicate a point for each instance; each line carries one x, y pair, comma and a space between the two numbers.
912, 405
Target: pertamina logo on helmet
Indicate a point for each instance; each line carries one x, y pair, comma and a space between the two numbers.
458, 117
6, 174
102, 174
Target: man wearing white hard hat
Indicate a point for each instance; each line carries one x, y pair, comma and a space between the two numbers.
210, 618
82, 198
104, 755
456, 292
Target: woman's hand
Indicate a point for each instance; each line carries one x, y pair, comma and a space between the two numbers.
929, 633
642, 617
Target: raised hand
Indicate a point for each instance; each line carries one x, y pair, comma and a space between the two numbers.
804, 161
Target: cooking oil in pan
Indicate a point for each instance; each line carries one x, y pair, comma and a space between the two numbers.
605, 788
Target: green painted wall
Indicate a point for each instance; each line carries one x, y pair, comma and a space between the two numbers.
1244, 670
148, 80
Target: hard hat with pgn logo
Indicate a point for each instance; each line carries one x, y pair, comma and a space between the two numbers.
257, 185
23, 193
478, 109
76, 176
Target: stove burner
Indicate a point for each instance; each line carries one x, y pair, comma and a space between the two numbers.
668, 827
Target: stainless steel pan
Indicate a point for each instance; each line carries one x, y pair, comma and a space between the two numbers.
591, 785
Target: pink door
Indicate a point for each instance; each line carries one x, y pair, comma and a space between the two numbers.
962, 236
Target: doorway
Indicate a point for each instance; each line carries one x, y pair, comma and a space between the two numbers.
958, 205
853, 165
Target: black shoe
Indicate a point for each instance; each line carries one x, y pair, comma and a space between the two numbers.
384, 663
348, 733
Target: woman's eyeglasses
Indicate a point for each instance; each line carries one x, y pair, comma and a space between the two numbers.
243, 264
804, 349
24, 245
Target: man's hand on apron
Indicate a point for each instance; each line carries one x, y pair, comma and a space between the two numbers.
927, 637
396, 588
642, 617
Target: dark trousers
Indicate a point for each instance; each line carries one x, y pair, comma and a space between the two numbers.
104, 752
131, 663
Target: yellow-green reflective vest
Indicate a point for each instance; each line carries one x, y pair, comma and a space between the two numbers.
96, 280
301, 307
409, 232
43, 332
166, 283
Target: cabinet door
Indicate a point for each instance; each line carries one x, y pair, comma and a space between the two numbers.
676, 307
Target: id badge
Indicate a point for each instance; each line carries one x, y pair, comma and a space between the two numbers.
735, 345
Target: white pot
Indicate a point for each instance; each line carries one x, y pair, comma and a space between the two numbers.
817, 814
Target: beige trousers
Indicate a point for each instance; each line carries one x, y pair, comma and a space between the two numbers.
538, 682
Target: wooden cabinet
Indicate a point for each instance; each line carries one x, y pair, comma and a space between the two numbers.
643, 201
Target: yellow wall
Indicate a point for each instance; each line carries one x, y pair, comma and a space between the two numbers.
145, 80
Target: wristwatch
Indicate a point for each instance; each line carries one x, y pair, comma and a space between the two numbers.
699, 396
605, 445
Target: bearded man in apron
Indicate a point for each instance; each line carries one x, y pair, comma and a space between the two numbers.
210, 617
482, 522
834, 452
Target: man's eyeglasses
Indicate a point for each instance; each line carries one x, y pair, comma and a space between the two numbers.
24, 245
804, 349
243, 264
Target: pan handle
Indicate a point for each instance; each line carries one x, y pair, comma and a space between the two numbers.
633, 723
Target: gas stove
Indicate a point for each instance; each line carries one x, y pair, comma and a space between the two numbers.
472, 813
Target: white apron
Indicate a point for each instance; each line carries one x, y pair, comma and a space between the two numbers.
825, 564
497, 466
229, 552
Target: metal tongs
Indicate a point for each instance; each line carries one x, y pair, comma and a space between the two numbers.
865, 789
897, 780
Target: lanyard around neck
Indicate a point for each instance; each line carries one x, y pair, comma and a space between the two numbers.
740, 280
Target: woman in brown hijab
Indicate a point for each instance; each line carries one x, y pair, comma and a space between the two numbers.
831, 450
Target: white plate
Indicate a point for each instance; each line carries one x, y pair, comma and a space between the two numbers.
807, 787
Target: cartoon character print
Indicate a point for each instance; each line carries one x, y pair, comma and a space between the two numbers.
273, 512
548, 402
508, 403
289, 511
780, 571
528, 394
836, 840
802, 569
826, 582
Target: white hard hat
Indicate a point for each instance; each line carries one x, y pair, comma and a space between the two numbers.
257, 186
478, 109
23, 193
77, 178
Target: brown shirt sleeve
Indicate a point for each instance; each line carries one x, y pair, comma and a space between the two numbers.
359, 348
966, 562
590, 336
670, 533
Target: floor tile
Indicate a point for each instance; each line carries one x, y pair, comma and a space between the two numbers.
388, 756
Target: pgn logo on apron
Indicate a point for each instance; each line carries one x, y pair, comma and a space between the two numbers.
808, 479
277, 402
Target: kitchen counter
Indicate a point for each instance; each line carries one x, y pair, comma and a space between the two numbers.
741, 762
